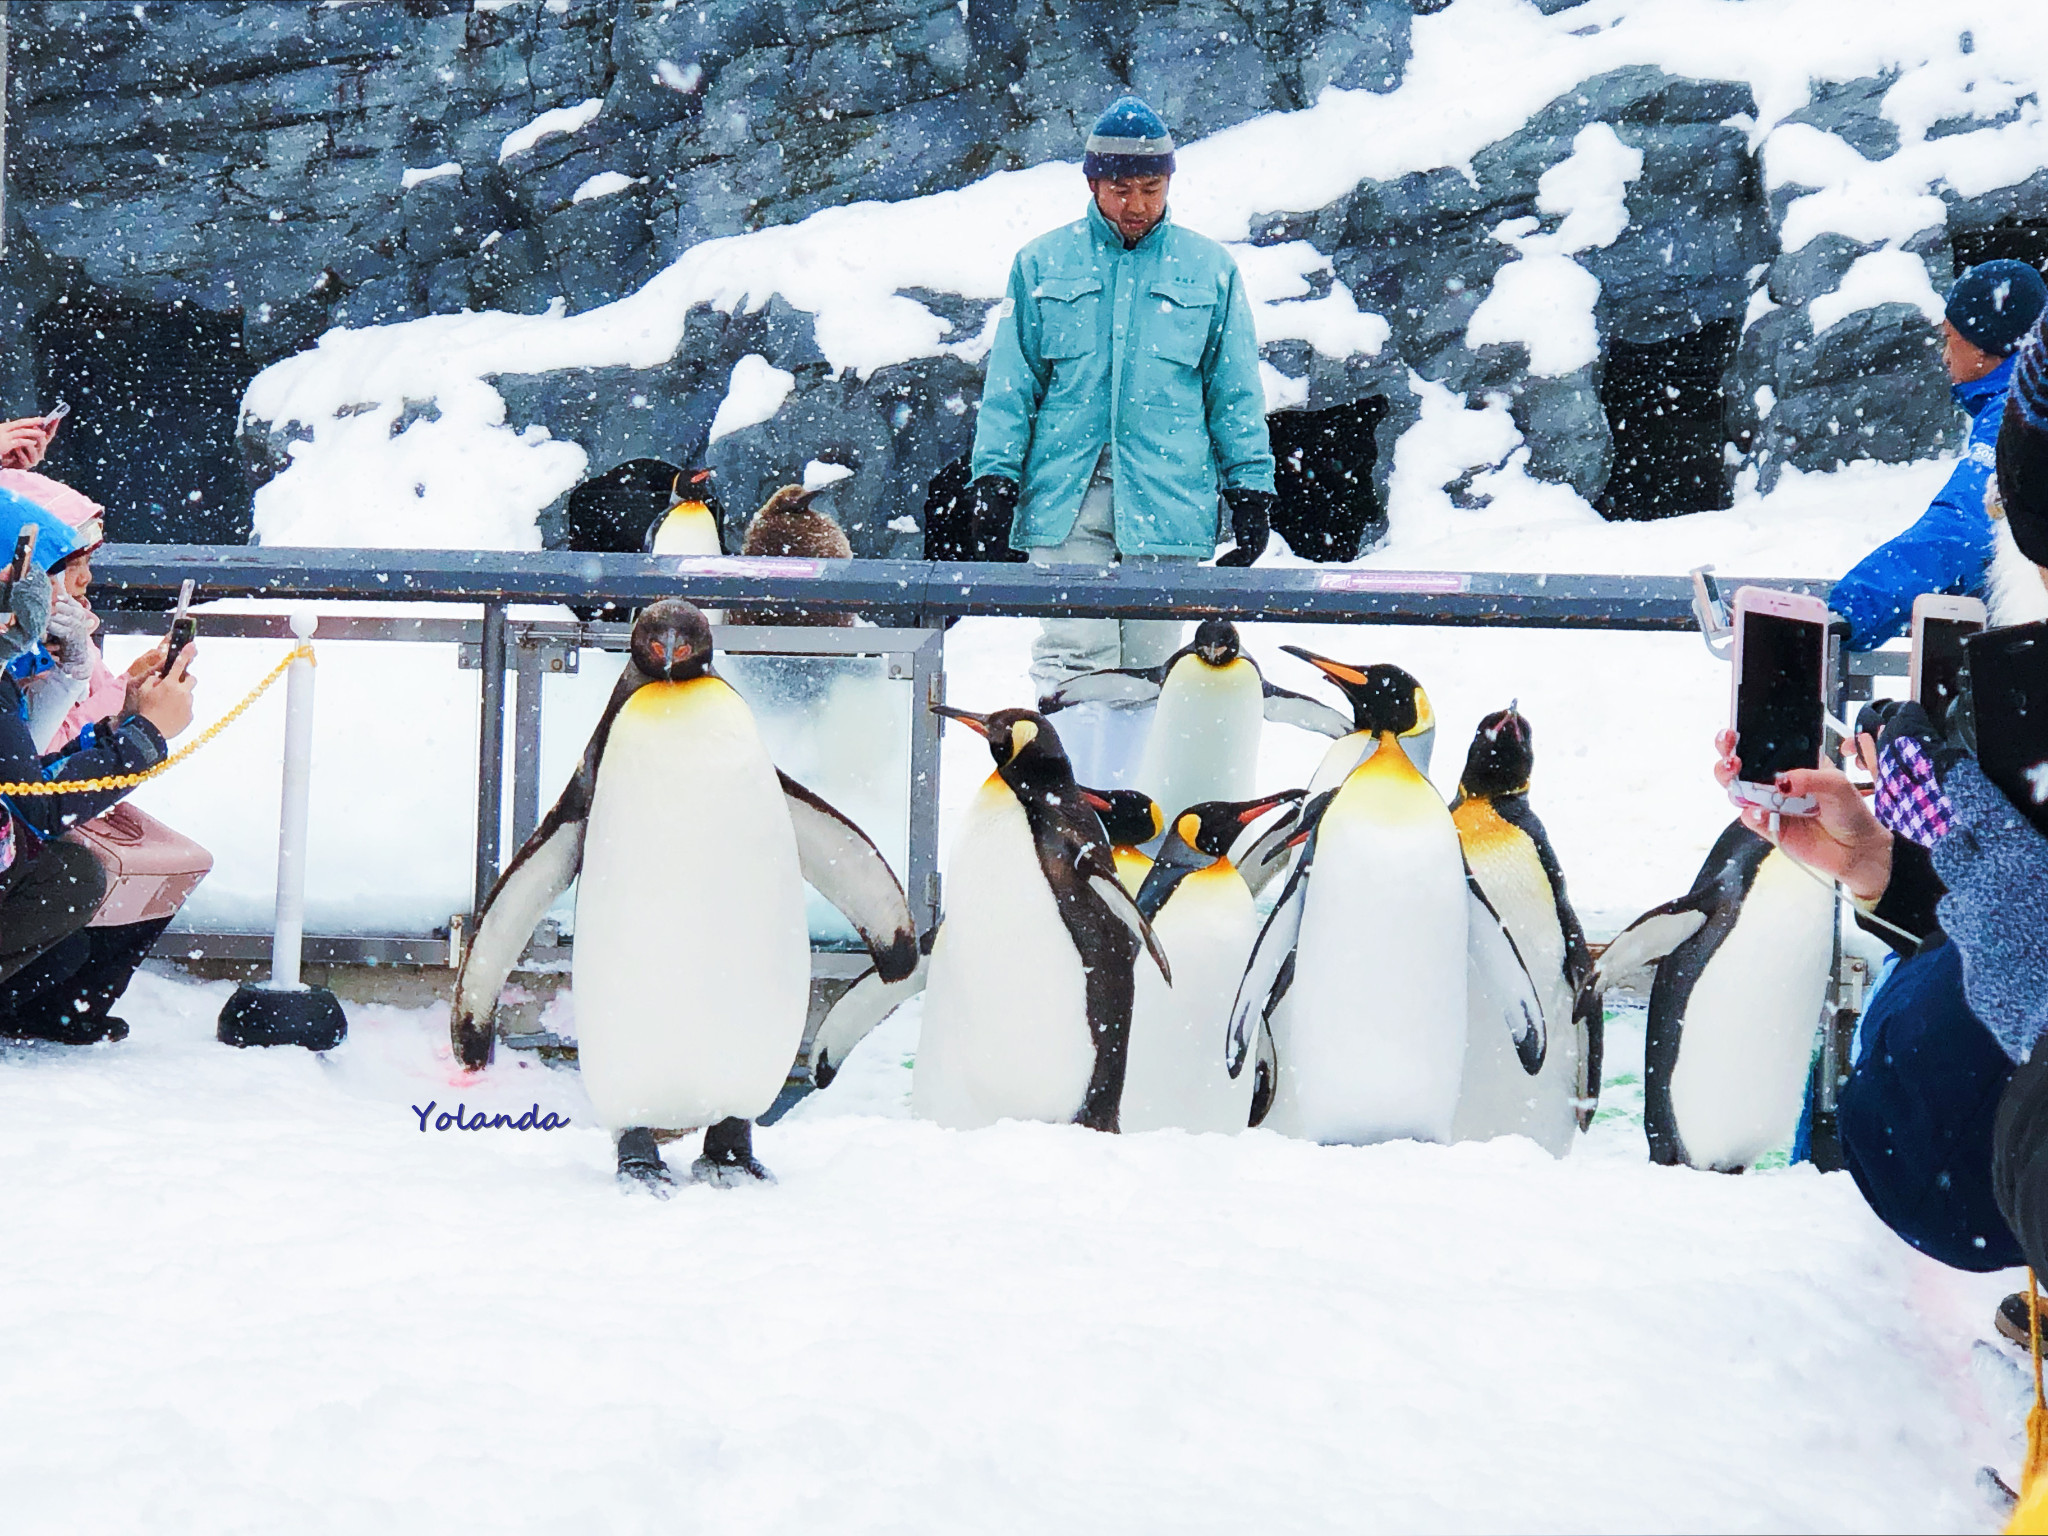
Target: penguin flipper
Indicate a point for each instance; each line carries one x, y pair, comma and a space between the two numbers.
1497, 972
1270, 967
1111, 893
1122, 685
1285, 707
1268, 851
537, 875
848, 870
854, 1017
1631, 960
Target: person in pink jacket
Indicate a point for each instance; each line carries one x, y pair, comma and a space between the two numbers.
101, 690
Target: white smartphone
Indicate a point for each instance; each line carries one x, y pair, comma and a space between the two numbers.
1778, 711
1939, 626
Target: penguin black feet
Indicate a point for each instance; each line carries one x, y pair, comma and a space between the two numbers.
640, 1164
728, 1157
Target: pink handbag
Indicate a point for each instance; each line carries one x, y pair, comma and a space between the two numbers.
151, 869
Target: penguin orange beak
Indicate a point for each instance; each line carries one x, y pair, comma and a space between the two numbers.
1258, 808
976, 723
1335, 669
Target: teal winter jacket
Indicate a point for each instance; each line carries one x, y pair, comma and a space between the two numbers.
1150, 350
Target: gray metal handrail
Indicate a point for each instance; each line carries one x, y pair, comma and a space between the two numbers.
920, 593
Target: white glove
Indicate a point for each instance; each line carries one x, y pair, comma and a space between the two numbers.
70, 636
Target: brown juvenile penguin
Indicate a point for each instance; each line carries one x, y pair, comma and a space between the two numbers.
789, 525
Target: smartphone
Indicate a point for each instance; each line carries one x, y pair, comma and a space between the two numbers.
184, 628
1940, 625
24, 547
63, 409
1778, 711
2008, 683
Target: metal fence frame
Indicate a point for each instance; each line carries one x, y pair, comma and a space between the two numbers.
911, 600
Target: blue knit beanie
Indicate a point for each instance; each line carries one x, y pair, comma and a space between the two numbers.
1129, 140
1996, 303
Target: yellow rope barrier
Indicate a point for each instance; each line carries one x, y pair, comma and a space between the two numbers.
130, 780
2031, 1514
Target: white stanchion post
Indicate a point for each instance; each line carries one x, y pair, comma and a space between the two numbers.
285, 1011
289, 933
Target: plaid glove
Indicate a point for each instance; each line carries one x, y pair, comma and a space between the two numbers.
1995, 865
1909, 797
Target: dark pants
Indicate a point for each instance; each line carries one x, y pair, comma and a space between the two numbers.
59, 978
1916, 1116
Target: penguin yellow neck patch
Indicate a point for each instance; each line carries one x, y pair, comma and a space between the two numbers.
663, 700
1481, 827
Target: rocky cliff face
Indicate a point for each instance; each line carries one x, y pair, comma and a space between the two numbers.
197, 190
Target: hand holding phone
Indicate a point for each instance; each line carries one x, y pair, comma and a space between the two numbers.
184, 629
1778, 711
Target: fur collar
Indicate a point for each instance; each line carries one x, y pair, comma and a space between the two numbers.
2015, 592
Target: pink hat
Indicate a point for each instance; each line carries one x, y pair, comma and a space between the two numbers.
60, 501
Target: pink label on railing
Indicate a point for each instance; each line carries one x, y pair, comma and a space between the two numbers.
1393, 581
750, 565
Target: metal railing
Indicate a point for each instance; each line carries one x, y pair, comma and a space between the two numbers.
910, 601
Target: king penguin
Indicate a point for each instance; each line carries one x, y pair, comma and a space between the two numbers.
1027, 1011
1510, 858
788, 526
1203, 742
694, 521
1375, 692
692, 957
1360, 971
1740, 966
1201, 910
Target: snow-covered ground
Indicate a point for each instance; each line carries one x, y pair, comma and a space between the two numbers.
244, 1291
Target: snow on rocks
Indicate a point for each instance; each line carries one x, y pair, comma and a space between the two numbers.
1545, 300
557, 120
247, 1292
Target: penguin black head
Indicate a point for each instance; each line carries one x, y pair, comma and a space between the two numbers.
1216, 642
1383, 697
1129, 816
1501, 757
695, 485
672, 641
1022, 741
1214, 826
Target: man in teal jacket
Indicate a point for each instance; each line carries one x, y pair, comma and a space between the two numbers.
1123, 393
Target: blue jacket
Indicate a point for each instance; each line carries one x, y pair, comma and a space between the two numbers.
1948, 549
1150, 350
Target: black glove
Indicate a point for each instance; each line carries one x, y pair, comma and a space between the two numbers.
995, 508
1251, 524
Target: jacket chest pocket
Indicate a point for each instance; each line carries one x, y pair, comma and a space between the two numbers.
1068, 312
1178, 325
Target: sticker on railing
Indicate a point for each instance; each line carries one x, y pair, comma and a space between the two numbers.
750, 565
1393, 581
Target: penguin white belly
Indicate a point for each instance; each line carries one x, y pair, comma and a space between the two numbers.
1500, 1098
1747, 1038
1204, 741
1006, 1006
692, 962
1174, 1074
1371, 1035
687, 530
